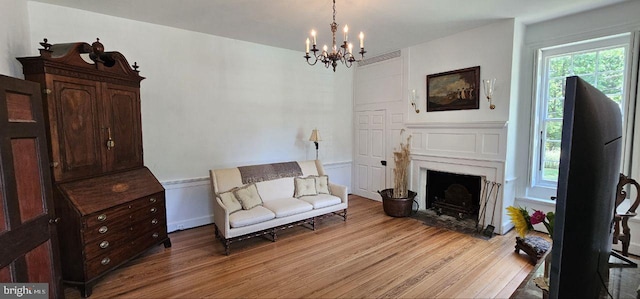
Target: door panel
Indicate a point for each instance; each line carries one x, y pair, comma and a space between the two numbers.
29, 243
370, 152
5, 273
3, 219
27, 171
38, 262
19, 107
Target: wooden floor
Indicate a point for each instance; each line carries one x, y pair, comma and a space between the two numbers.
369, 255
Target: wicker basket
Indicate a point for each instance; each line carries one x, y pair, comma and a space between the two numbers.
397, 207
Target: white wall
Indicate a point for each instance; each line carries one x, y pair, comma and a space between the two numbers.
211, 102
14, 36
489, 46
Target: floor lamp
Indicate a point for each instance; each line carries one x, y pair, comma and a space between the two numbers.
315, 137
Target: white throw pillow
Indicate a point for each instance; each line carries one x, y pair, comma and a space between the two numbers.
305, 186
322, 184
248, 196
230, 201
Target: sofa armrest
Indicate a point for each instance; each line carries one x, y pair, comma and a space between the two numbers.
220, 216
339, 191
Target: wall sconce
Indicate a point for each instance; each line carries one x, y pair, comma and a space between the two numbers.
315, 137
412, 99
489, 86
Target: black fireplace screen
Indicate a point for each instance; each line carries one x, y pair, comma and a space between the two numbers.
453, 194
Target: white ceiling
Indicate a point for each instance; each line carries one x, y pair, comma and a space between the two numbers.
388, 24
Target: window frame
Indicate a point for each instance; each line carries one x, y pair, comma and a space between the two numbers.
538, 187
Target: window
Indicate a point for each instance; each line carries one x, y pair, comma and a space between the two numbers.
603, 63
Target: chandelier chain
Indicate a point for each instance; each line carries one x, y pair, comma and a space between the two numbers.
334, 11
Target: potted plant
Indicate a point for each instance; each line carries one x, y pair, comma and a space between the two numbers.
398, 201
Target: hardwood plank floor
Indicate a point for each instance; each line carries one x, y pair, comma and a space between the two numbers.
369, 255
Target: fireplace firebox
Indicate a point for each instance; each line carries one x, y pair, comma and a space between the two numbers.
453, 194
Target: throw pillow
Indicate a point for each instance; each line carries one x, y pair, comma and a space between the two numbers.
248, 196
322, 184
230, 201
305, 186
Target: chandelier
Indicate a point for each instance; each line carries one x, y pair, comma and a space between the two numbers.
343, 54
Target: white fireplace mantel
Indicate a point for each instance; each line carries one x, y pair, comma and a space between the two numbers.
474, 148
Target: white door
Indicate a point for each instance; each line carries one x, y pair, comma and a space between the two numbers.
370, 173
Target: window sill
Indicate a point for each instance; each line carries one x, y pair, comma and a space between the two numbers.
537, 201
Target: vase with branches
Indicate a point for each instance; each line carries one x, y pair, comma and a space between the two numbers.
399, 200
401, 160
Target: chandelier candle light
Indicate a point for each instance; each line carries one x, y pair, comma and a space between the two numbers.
343, 54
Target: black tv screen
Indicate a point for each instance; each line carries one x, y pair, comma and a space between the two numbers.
591, 149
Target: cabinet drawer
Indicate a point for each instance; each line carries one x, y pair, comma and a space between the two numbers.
127, 248
120, 235
150, 237
115, 214
109, 259
104, 245
115, 230
156, 210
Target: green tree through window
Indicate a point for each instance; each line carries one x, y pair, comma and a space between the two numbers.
602, 67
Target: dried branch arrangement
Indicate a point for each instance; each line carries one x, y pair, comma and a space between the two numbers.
401, 160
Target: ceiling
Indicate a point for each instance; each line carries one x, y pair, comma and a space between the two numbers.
387, 24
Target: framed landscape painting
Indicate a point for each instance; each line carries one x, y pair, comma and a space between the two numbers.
454, 90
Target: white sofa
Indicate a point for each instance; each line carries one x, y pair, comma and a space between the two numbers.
276, 186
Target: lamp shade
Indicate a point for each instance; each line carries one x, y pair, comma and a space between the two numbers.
315, 136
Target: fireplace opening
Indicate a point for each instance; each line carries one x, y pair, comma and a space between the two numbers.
453, 194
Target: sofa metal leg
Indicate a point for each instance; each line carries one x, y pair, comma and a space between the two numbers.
313, 222
344, 215
275, 237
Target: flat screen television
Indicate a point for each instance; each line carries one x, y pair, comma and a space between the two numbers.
591, 149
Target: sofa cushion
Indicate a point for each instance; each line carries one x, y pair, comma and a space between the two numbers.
274, 189
321, 200
309, 167
249, 217
230, 201
322, 184
284, 207
248, 196
305, 186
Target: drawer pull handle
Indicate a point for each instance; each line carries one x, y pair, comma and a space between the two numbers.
103, 229
155, 235
102, 217
152, 199
104, 244
153, 210
154, 221
105, 261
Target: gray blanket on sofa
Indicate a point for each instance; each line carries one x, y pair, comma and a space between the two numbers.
266, 172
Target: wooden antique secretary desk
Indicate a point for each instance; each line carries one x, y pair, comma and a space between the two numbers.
111, 207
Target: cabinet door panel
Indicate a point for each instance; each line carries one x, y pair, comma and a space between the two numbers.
78, 126
123, 116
